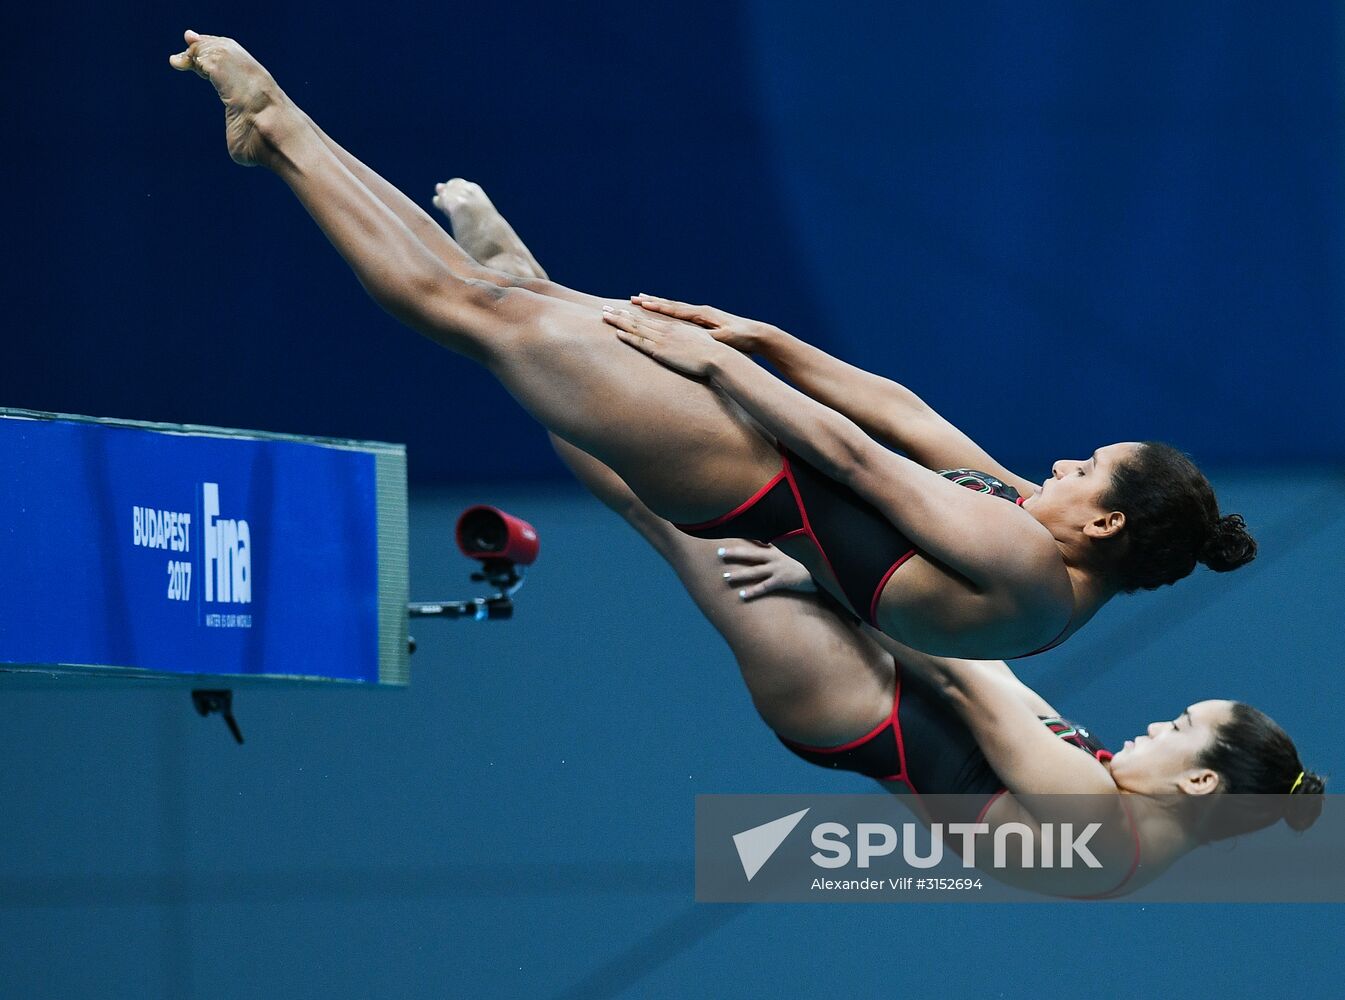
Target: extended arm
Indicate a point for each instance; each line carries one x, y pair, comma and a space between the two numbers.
998, 552
1003, 715
885, 409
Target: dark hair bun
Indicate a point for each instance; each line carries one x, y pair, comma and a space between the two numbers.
1229, 546
1304, 805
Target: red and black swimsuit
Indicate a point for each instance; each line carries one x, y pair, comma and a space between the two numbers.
924, 745
927, 748
860, 546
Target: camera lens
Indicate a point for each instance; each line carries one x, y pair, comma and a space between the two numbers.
483, 531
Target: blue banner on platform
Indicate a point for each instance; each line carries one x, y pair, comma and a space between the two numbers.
187, 553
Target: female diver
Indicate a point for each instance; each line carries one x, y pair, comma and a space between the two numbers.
933, 726
978, 577
844, 698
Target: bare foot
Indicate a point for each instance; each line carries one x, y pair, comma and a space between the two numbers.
482, 231
243, 84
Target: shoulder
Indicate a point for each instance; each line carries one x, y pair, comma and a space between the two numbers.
1030, 568
1011, 612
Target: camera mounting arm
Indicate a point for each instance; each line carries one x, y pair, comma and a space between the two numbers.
505, 545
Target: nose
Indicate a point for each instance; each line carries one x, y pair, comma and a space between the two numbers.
1065, 466
1153, 729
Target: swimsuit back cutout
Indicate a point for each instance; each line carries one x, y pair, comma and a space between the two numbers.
860, 546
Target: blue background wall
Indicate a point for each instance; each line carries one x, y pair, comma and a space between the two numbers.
1116, 224
1064, 224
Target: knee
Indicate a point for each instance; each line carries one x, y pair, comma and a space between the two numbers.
485, 293
472, 301
466, 315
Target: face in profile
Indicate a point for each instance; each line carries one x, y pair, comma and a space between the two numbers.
1164, 757
1073, 493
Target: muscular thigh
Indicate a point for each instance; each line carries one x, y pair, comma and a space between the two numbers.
684, 450
813, 675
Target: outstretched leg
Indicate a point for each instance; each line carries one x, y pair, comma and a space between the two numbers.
684, 449
458, 199
813, 676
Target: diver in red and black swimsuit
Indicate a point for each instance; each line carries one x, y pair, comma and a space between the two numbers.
987, 580
847, 698
895, 558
